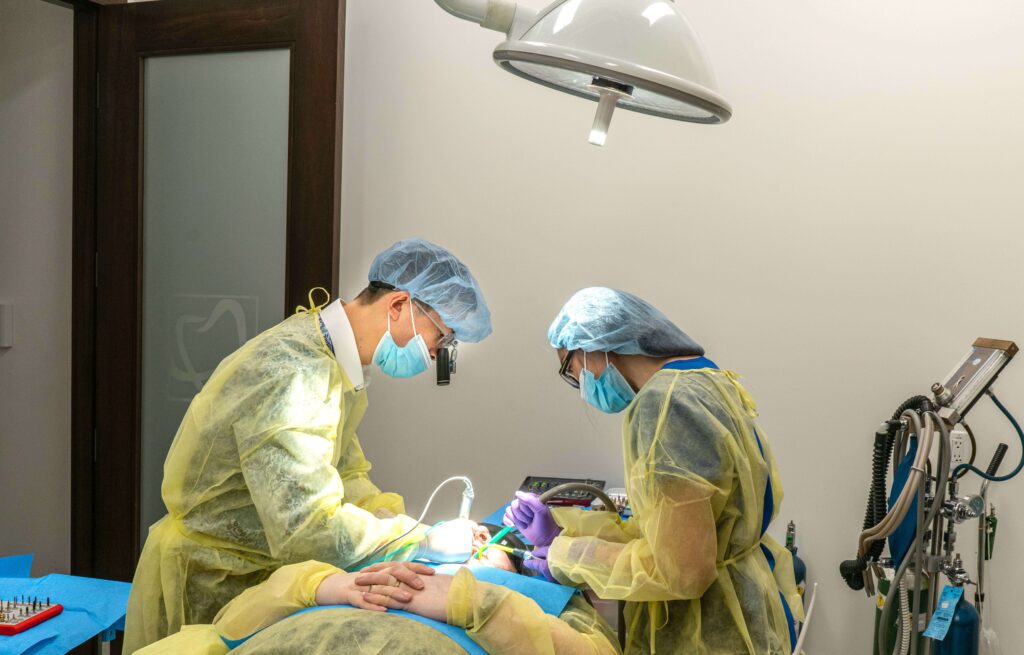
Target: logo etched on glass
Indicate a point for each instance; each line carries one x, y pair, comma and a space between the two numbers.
207, 329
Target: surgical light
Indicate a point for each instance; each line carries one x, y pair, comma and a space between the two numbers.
640, 55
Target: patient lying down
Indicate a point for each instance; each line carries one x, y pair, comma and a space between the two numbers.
497, 619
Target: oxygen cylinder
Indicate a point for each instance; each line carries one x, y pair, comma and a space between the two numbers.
964, 632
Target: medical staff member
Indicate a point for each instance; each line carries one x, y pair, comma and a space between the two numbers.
694, 564
266, 469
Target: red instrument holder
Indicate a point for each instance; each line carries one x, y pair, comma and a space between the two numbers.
31, 621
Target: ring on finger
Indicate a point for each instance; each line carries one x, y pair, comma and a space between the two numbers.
398, 583
370, 590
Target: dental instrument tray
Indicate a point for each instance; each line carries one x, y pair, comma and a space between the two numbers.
538, 485
19, 614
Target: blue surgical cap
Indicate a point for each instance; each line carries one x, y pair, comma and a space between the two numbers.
608, 320
434, 276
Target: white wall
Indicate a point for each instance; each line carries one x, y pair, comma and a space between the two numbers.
841, 242
35, 274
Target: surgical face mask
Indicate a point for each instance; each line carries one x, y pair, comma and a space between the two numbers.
402, 362
609, 393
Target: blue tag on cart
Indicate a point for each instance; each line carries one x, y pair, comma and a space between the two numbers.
943, 616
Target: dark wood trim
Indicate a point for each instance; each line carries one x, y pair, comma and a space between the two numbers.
314, 32
314, 201
185, 26
339, 134
83, 298
116, 522
87, 5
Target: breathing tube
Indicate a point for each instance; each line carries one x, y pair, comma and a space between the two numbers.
916, 550
853, 570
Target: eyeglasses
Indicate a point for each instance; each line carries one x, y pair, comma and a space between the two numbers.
564, 371
447, 338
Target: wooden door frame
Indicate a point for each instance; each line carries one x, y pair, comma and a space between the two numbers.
111, 42
83, 288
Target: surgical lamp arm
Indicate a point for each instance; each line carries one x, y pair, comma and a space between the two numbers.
505, 16
471, 10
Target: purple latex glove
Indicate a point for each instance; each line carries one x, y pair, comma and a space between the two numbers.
533, 518
539, 563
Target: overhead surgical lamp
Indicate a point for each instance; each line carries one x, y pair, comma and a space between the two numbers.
641, 55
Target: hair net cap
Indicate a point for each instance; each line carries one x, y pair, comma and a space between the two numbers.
609, 320
434, 276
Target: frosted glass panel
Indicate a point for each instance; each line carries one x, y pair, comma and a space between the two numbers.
214, 215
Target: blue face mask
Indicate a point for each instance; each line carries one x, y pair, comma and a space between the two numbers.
610, 393
402, 362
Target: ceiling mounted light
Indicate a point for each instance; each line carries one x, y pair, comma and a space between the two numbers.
641, 55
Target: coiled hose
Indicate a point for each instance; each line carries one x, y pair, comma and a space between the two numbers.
997, 460
876, 495
852, 570
879, 493
905, 617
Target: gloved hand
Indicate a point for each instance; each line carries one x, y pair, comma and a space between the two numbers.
533, 518
448, 543
539, 563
